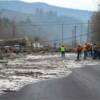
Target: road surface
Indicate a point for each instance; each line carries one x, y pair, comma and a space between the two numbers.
81, 84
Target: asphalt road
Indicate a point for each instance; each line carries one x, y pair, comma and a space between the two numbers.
82, 84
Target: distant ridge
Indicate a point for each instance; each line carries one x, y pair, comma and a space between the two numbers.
30, 8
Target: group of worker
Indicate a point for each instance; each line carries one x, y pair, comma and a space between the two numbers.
87, 49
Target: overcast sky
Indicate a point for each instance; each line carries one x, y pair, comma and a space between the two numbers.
78, 4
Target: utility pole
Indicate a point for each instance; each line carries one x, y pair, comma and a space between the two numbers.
13, 29
88, 32
74, 36
62, 33
81, 33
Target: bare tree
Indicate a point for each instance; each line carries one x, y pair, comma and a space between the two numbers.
96, 27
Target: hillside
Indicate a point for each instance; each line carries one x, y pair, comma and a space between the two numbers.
39, 18
30, 8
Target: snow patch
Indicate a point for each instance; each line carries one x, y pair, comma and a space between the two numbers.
33, 68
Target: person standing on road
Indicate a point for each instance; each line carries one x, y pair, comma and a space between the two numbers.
85, 50
95, 51
79, 52
62, 50
89, 49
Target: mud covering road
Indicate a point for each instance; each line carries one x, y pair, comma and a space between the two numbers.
81, 84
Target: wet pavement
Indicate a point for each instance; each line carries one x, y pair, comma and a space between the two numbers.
81, 84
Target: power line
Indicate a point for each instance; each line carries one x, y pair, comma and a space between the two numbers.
39, 24
61, 27
67, 38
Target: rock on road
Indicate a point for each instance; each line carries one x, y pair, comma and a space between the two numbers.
81, 84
